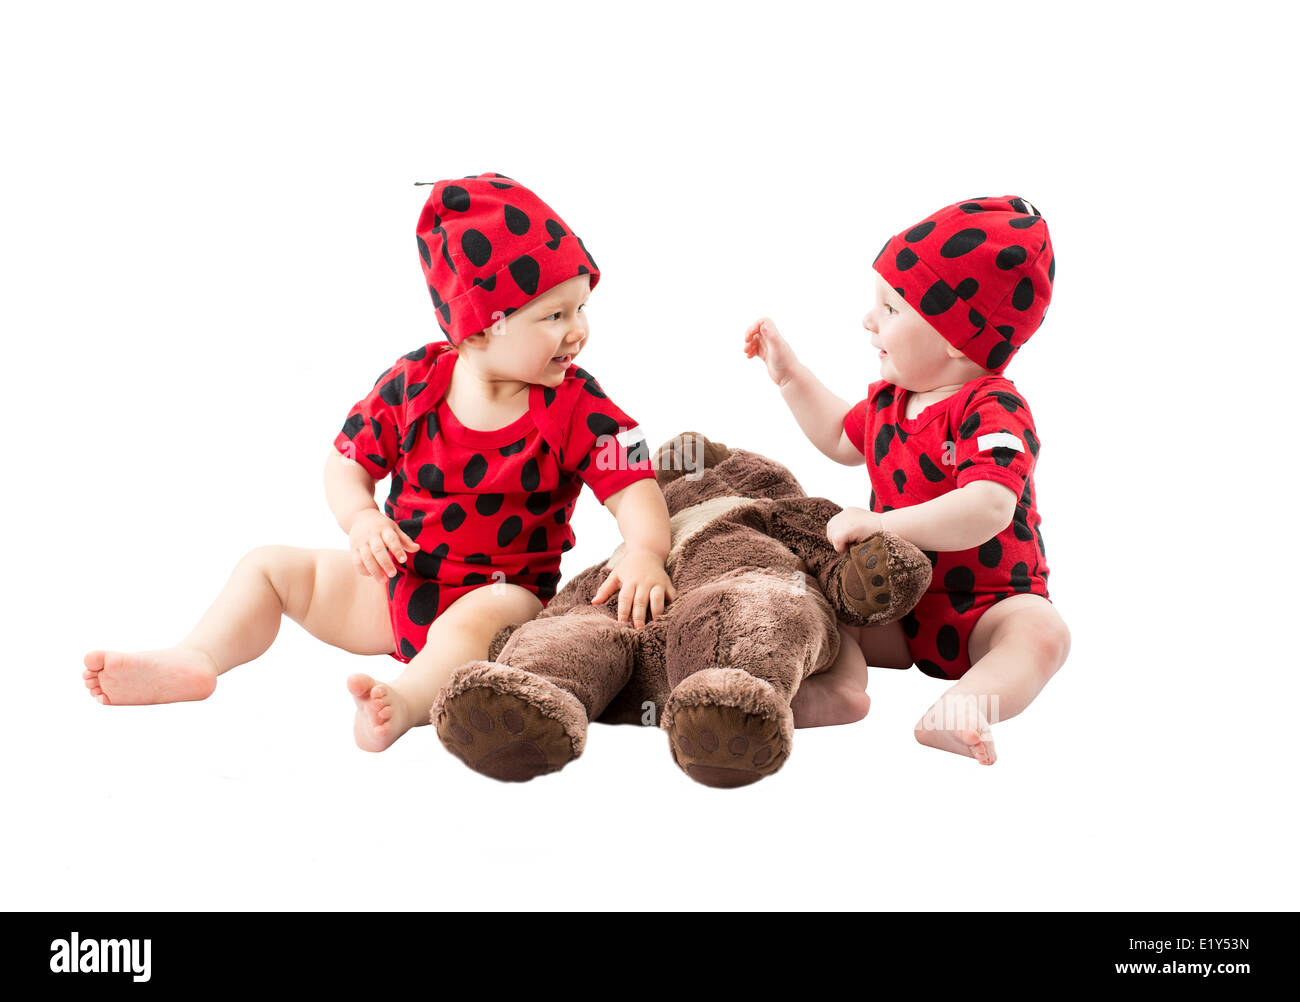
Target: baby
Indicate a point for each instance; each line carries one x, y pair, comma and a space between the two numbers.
488, 439
950, 447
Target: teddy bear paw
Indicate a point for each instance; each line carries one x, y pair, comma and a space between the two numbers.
727, 728
507, 723
883, 578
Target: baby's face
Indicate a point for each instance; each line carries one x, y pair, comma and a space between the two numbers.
540, 340
913, 354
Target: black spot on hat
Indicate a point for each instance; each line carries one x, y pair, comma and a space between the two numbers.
557, 233
966, 288
883, 438
911, 626
430, 478
453, 517
990, 553
1024, 222
976, 318
1017, 204
1051, 269
424, 252
455, 198
510, 528
969, 427
1011, 257
948, 642
538, 502
408, 648
938, 298
513, 447
537, 541
530, 476
427, 564
881, 251
1023, 297
444, 309
963, 242
1020, 577
475, 470
932, 472
477, 247
998, 355
517, 221
971, 207
391, 392
594, 266
527, 273
905, 259
489, 283
422, 606
489, 504
900, 480
919, 232
1031, 440
1009, 401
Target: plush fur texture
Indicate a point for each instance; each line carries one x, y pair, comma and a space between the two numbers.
759, 590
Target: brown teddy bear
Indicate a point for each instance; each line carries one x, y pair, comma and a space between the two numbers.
759, 589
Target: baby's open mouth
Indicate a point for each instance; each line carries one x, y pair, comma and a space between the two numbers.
562, 359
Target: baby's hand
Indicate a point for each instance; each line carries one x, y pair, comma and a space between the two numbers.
372, 537
765, 341
640, 578
851, 526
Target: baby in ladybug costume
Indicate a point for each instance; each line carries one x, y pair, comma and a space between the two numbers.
488, 439
950, 447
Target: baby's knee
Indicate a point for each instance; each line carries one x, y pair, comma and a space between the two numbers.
1049, 640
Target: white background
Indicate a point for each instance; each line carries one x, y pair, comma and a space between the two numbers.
208, 256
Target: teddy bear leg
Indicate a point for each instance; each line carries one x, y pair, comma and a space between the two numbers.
881, 578
741, 645
526, 714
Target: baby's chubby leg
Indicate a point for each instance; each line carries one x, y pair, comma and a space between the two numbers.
838, 694
460, 634
1015, 648
319, 589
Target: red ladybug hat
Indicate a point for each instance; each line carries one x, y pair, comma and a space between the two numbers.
980, 272
488, 245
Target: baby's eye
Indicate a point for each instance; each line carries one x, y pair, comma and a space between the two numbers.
553, 316
582, 307
890, 308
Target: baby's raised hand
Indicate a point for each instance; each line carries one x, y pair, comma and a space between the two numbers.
372, 538
852, 525
640, 579
764, 340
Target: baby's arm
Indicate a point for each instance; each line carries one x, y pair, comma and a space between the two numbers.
372, 535
820, 412
639, 577
966, 517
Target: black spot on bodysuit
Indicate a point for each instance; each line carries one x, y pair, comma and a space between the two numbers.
969, 427
932, 472
391, 392
489, 504
453, 517
883, 437
530, 476
430, 479
427, 564
900, 480
422, 607
601, 424
960, 581
475, 470
948, 642
510, 528
537, 540
990, 553
513, 447
538, 503
1020, 577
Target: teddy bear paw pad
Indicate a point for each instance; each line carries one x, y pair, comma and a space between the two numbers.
502, 735
725, 746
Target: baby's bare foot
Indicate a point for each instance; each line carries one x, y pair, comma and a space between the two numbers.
957, 724
173, 675
825, 700
383, 715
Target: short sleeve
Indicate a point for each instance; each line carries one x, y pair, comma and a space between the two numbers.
855, 425
370, 435
602, 445
995, 439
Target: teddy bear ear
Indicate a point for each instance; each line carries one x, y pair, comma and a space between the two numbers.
685, 453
